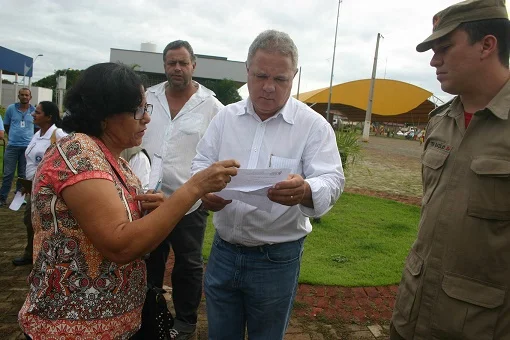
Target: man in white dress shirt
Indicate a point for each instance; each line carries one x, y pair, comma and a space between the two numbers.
182, 110
252, 272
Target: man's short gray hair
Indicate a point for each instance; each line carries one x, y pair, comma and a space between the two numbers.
274, 41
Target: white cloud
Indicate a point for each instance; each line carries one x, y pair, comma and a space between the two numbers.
75, 35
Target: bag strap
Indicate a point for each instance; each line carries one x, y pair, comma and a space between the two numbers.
53, 138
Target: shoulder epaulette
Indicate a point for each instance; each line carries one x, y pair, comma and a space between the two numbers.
441, 109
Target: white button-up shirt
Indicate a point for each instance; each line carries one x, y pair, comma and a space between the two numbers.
37, 147
175, 140
297, 138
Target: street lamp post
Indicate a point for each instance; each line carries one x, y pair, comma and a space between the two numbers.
332, 65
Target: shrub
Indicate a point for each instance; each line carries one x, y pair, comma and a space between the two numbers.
349, 147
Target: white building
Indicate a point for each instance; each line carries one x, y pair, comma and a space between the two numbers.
10, 94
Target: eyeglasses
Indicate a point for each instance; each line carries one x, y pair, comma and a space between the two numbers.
140, 111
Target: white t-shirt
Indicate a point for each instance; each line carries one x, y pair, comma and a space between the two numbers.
141, 166
37, 147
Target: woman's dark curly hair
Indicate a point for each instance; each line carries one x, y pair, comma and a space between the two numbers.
102, 91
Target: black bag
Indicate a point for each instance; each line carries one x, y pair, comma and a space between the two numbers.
157, 321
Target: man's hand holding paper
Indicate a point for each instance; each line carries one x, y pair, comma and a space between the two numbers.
294, 190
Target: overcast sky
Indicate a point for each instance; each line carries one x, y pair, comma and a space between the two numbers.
77, 34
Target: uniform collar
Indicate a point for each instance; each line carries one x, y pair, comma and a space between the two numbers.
30, 107
48, 133
498, 106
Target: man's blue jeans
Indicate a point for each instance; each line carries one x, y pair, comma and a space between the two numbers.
14, 156
251, 287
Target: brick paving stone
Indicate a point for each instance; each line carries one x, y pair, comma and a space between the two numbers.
344, 315
309, 300
379, 302
365, 303
359, 315
372, 292
353, 303
385, 291
320, 291
361, 335
386, 314
393, 289
306, 289
355, 328
316, 311
376, 330
332, 291
323, 302
346, 292
331, 313
359, 292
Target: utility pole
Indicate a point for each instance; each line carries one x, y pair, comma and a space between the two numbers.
26, 72
333, 64
368, 116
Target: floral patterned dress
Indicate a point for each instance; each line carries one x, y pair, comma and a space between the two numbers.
75, 292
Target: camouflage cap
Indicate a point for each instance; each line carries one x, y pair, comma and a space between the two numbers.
450, 18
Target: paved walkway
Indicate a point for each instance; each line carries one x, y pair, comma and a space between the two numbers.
320, 312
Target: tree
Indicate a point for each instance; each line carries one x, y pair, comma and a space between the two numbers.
225, 90
5, 81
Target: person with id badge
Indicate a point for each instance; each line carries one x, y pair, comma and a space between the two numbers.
19, 125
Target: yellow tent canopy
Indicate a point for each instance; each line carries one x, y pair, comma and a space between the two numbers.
394, 101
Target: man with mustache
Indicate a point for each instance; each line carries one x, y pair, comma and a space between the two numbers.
19, 125
182, 111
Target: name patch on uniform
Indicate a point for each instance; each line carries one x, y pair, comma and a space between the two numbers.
440, 145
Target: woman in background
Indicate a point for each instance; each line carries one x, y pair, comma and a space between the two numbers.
47, 117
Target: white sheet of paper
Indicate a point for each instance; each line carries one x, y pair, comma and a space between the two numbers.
17, 202
156, 171
251, 185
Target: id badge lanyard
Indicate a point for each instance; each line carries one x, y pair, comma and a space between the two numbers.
22, 123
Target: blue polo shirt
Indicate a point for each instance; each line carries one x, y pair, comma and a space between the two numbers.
21, 124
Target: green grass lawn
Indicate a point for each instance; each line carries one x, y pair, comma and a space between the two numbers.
362, 241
